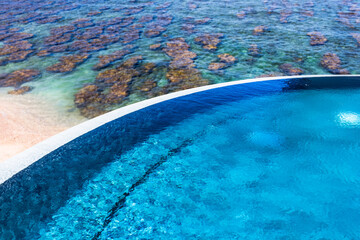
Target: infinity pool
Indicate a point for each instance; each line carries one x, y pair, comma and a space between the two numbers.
263, 160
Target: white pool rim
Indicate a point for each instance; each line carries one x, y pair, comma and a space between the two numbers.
19, 162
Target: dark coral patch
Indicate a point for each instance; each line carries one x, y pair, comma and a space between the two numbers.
356, 36
20, 91
290, 70
19, 36
15, 47
146, 18
106, 60
259, 30
253, 50
19, 55
154, 31
62, 30
83, 23
58, 39
68, 63
49, 19
89, 101
317, 38
209, 41
156, 46
225, 60
18, 77
332, 63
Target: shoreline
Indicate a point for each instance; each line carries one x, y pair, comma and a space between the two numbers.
27, 120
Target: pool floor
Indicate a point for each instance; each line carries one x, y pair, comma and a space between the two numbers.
281, 166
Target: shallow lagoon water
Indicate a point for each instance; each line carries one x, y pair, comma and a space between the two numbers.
278, 166
282, 42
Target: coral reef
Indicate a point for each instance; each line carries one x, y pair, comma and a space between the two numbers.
106, 60
18, 77
225, 60
259, 30
68, 63
20, 91
290, 70
317, 38
332, 63
209, 41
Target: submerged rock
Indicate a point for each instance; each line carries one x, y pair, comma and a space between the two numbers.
216, 66
316, 38
209, 41
253, 50
111, 86
356, 36
88, 99
58, 31
122, 73
259, 30
19, 56
154, 31
225, 60
178, 50
290, 70
94, 13
18, 77
20, 91
272, 74
284, 15
89, 33
83, 23
203, 21
164, 6
188, 27
49, 19
183, 75
15, 47
58, 39
147, 85
117, 93
241, 15
68, 63
192, 6
148, 67
106, 60
155, 46
146, 18
332, 63
19, 36
131, 35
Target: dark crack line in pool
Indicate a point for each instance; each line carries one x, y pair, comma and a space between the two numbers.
122, 199
121, 202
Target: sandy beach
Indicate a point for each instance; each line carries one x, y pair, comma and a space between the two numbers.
27, 120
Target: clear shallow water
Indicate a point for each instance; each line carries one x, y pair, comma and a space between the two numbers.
278, 166
280, 43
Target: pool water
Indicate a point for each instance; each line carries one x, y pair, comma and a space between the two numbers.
274, 166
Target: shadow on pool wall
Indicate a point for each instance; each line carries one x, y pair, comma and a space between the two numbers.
45, 186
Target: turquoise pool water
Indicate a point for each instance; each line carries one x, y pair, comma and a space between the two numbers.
284, 41
243, 165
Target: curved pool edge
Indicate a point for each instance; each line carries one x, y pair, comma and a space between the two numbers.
19, 162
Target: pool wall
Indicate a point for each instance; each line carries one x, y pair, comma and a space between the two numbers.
21, 161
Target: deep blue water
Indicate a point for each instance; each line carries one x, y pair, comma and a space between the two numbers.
254, 161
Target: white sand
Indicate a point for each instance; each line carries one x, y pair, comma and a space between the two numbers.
27, 120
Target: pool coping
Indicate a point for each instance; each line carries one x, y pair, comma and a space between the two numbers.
19, 162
